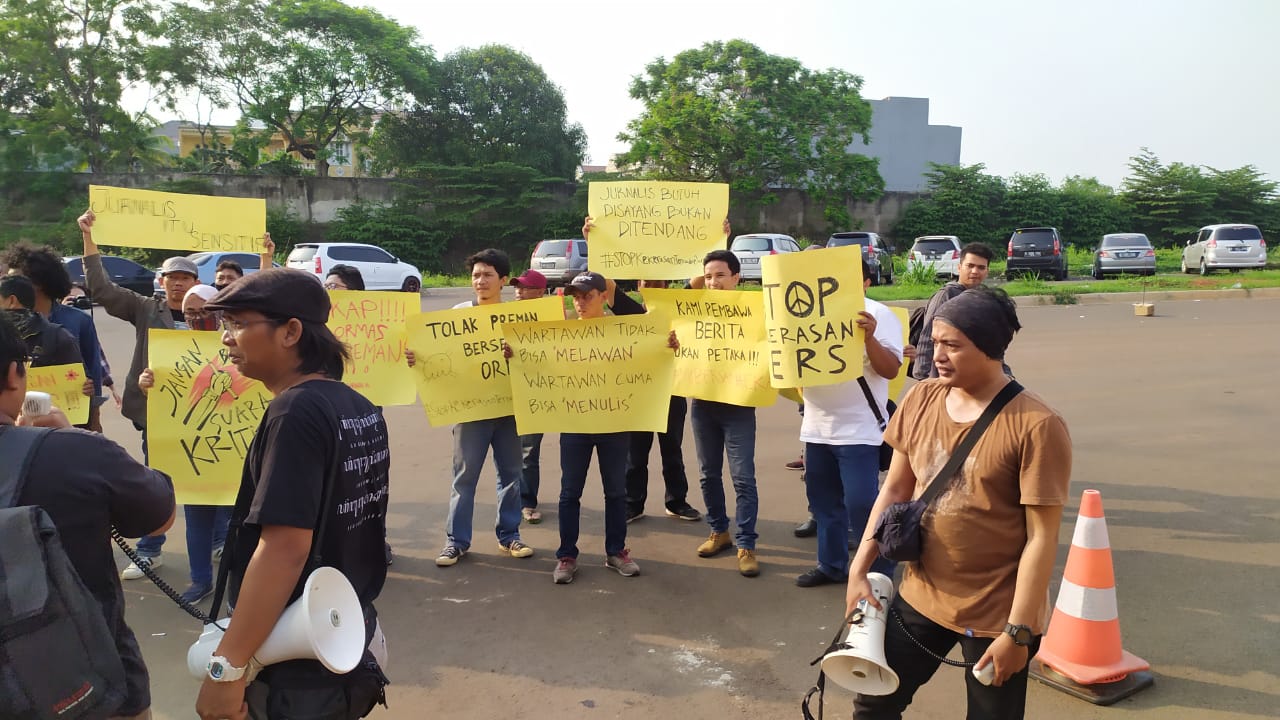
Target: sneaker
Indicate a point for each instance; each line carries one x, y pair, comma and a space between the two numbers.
566, 568
715, 543
684, 512
133, 572
633, 514
748, 566
808, 528
796, 464
531, 515
516, 549
195, 593
217, 554
450, 555
623, 563
816, 577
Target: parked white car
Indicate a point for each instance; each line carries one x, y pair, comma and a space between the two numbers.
751, 247
940, 251
380, 269
1219, 247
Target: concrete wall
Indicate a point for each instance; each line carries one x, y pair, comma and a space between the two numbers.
904, 141
318, 200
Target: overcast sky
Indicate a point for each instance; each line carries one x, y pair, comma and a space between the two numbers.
1060, 87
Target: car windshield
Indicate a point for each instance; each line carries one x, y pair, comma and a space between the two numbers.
933, 247
849, 239
200, 258
1112, 241
552, 248
1246, 232
1038, 238
750, 243
303, 253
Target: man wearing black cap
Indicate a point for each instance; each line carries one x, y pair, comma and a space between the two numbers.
530, 285
982, 579
177, 276
316, 475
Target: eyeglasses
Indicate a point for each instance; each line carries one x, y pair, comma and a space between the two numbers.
334, 286
235, 327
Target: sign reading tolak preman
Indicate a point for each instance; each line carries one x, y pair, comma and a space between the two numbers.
811, 306
645, 230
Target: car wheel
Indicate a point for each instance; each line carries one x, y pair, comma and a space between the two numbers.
1062, 274
1097, 273
875, 279
889, 280
412, 284
1185, 269
1204, 269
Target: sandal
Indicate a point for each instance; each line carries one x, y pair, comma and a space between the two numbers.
531, 515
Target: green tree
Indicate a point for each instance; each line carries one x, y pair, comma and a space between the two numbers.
732, 113
489, 105
64, 69
1170, 202
1240, 195
317, 71
963, 201
1089, 210
1030, 200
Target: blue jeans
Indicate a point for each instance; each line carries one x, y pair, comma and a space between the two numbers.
206, 530
575, 460
842, 482
148, 545
471, 443
531, 473
720, 429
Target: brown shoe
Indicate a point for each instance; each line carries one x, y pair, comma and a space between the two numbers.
717, 542
748, 566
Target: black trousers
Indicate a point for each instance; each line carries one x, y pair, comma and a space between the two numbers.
669, 447
915, 667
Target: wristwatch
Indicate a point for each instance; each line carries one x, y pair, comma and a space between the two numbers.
1021, 634
221, 670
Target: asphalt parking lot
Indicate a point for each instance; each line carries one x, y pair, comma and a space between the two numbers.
1172, 418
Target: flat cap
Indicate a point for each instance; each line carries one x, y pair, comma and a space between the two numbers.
277, 292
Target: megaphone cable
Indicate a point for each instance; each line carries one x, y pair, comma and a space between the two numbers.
946, 661
145, 567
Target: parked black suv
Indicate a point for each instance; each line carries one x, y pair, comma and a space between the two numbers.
877, 263
1036, 250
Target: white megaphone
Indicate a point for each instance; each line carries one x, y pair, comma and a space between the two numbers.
858, 663
325, 624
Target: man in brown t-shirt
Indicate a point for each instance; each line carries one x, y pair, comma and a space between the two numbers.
990, 538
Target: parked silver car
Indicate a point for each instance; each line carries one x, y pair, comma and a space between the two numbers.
942, 252
751, 247
1124, 253
1225, 246
559, 261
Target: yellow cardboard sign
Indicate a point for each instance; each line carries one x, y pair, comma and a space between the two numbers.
201, 415
459, 370
646, 230
722, 356
176, 221
65, 384
811, 303
898, 383
372, 326
610, 374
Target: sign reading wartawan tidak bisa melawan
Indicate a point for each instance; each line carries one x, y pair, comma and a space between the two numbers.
176, 221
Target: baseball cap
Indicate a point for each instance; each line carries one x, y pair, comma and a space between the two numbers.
586, 282
278, 292
530, 279
179, 264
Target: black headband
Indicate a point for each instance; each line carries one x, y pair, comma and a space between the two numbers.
988, 319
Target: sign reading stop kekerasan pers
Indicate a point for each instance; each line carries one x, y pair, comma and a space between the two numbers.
646, 230
811, 305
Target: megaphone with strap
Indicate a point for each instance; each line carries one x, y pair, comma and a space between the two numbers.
857, 663
325, 624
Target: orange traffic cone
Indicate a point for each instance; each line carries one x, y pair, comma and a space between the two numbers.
1081, 653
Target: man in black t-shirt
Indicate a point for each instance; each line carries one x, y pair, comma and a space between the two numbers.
316, 431
87, 484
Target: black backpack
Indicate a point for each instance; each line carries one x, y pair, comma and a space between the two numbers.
46, 612
915, 325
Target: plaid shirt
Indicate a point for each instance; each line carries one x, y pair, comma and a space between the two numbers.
924, 368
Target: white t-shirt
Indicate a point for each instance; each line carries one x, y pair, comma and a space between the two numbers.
839, 414
467, 304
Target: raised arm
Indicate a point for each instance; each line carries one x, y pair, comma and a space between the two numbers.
118, 302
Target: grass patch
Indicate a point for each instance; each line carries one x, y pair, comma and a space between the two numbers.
432, 280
